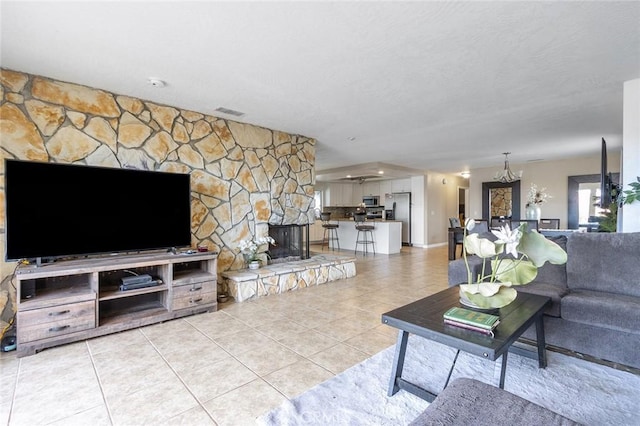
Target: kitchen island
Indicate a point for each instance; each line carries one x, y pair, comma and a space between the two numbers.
387, 235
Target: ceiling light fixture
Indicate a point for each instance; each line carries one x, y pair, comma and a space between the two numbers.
506, 175
465, 175
380, 172
351, 138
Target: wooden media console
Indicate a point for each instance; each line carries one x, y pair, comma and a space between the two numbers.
74, 300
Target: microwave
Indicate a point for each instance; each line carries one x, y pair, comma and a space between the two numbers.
371, 200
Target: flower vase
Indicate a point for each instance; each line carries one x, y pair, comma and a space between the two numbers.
487, 296
255, 264
533, 212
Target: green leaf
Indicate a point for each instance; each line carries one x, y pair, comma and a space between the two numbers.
514, 271
538, 249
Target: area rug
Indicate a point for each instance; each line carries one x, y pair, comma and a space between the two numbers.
586, 392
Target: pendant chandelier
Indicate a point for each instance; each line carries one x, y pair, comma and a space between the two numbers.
506, 175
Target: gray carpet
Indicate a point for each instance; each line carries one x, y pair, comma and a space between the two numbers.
586, 392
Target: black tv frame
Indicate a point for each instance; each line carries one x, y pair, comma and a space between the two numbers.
56, 210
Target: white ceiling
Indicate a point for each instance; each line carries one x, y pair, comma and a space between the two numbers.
441, 86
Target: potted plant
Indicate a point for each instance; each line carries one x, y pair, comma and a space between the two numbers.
250, 251
609, 222
514, 260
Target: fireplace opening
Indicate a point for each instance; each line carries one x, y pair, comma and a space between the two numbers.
292, 242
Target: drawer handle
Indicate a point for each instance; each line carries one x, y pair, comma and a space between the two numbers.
60, 328
196, 288
197, 300
55, 314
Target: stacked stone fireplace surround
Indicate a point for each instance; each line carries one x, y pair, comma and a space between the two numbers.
243, 177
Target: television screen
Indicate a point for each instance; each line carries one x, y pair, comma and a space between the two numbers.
55, 210
605, 178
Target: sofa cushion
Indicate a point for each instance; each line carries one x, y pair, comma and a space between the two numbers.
553, 291
458, 270
606, 262
471, 402
608, 310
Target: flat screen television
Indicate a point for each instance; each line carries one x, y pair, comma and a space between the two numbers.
606, 181
60, 210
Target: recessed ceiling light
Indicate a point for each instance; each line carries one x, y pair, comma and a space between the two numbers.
349, 176
380, 172
351, 138
156, 82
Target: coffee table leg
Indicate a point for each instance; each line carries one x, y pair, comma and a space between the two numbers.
398, 362
503, 369
542, 353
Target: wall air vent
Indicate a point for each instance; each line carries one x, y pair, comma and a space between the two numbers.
229, 111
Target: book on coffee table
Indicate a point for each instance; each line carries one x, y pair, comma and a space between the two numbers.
469, 327
471, 318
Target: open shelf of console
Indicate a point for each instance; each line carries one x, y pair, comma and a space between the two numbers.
78, 299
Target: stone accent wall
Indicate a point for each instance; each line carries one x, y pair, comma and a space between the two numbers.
501, 202
243, 177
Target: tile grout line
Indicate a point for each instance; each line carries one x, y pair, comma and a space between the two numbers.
102, 393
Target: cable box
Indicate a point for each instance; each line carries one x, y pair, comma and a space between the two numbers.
135, 279
151, 283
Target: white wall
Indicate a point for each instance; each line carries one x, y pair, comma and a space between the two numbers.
630, 214
419, 205
442, 202
552, 175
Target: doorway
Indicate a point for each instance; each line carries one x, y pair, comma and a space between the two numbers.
463, 203
501, 200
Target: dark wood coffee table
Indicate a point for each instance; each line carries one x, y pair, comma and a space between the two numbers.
424, 318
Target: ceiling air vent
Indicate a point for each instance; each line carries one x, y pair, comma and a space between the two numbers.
230, 111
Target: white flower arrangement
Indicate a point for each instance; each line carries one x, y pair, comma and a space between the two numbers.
537, 196
249, 248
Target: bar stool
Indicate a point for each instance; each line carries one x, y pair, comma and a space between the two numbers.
367, 233
330, 232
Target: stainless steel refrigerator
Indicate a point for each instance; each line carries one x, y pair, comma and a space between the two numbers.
401, 205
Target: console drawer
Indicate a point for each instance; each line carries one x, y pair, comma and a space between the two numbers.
188, 296
194, 289
56, 320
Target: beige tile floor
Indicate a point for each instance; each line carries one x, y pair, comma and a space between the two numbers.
225, 367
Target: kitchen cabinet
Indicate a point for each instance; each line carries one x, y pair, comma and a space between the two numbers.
401, 185
356, 197
371, 188
339, 194
347, 194
385, 188
316, 231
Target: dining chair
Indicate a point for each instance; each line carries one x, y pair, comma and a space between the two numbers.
532, 224
458, 236
549, 224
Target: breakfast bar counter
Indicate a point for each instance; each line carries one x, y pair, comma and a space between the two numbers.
387, 235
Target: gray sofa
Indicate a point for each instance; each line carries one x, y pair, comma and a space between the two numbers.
595, 297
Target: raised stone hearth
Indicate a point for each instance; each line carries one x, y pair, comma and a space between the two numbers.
282, 277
